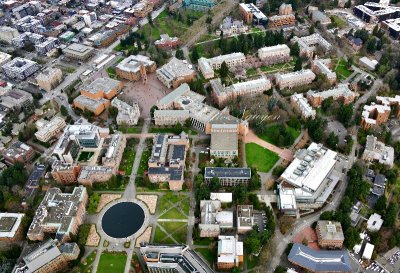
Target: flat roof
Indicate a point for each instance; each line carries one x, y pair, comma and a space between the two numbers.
225, 172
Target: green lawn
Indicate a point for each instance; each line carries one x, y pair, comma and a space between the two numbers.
171, 130
341, 70
173, 214
272, 132
130, 130
161, 237
252, 261
203, 241
86, 265
278, 67
111, 72
128, 157
208, 254
111, 263
144, 162
260, 158
177, 230
251, 72
85, 156
168, 198
339, 21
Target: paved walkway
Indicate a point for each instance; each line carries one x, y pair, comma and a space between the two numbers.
251, 137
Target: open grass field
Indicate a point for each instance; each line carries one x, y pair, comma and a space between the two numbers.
112, 263
161, 237
339, 21
251, 72
260, 158
178, 230
341, 70
173, 214
208, 254
86, 265
285, 67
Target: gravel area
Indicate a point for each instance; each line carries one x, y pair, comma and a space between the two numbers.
144, 237
149, 200
93, 238
106, 198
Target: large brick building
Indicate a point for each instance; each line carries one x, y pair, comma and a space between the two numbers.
329, 234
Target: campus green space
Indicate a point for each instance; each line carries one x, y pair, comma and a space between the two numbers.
128, 157
85, 156
260, 158
112, 263
173, 214
112, 73
86, 265
251, 72
178, 230
341, 70
340, 23
161, 237
169, 199
272, 131
94, 199
143, 162
171, 130
278, 67
208, 254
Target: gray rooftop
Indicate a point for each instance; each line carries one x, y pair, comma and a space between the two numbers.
223, 172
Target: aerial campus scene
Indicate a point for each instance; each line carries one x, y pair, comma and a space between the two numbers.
199, 136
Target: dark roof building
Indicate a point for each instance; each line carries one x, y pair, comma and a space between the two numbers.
228, 176
320, 261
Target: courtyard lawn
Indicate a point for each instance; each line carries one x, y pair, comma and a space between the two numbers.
86, 265
260, 158
93, 203
128, 157
339, 21
85, 156
143, 162
251, 72
208, 254
112, 263
341, 70
159, 235
172, 130
177, 230
203, 241
111, 72
173, 214
278, 67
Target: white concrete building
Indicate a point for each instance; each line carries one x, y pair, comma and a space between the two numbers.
274, 54
127, 114
207, 66
4, 58
368, 63
49, 129
294, 79
175, 72
10, 224
323, 66
309, 44
49, 78
7, 34
230, 252
374, 222
20, 68
300, 103
378, 151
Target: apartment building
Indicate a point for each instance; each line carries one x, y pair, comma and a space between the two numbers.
207, 66
231, 26
127, 114
175, 72
213, 218
96, 96
20, 68
372, 12
251, 14
16, 99
324, 66
167, 42
78, 52
245, 218
392, 102
49, 78
7, 34
309, 44
202, 116
340, 93
46, 46
278, 21
374, 115
228, 177
301, 105
376, 151
135, 67
167, 160
172, 258
4, 58
18, 152
274, 54
142, 9
294, 79
94, 174
59, 213
230, 252
392, 27
48, 257
10, 226
65, 173
329, 234
309, 179
49, 129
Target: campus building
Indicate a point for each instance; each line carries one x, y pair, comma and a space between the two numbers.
78, 52
59, 213
213, 218
309, 180
301, 105
207, 66
378, 152
374, 13
309, 44
228, 177
49, 78
135, 67
231, 26
20, 68
202, 116
167, 160
294, 79
10, 226
251, 14
96, 96
199, 4
4, 58
374, 115
224, 141
175, 72
329, 234
230, 252
18, 152
323, 66
65, 173
49, 129
274, 54
127, 114
167, 42
16, 99
340, 93
223, 94
245, 218
170, 117
48, 257
172, 258
7, 34
392, 26
321, 261
278, 21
